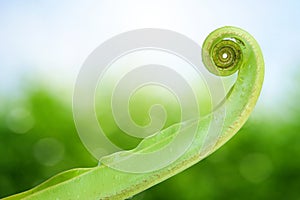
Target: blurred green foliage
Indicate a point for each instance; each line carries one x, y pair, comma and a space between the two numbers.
38, 139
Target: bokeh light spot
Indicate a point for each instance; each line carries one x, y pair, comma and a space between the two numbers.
256, 167
20, 120
49, 151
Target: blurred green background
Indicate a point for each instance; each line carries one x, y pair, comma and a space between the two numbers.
38, 139
44, 43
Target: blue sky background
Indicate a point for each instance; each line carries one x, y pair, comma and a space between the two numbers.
49, 40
